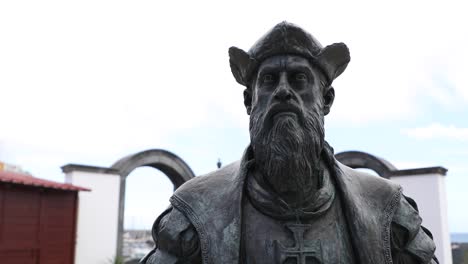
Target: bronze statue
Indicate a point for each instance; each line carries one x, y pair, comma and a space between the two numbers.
288, 200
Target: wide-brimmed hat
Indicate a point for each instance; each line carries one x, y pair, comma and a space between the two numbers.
288, 39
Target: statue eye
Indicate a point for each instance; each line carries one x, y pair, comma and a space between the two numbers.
301, 77
268, 78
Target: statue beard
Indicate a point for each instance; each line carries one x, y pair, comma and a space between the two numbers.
287, 152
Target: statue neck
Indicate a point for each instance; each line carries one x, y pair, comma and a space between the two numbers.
296, 189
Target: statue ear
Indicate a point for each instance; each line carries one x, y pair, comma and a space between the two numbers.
248, 100
328, 98
241, 65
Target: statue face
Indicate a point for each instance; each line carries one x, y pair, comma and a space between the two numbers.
287, 124
287, 86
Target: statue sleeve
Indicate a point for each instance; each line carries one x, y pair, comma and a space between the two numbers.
176, 240
411, 242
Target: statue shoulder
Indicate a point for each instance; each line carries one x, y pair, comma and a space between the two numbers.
214, 181
372, 185
410, 241
175, 238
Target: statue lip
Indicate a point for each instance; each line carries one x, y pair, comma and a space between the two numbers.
286, 109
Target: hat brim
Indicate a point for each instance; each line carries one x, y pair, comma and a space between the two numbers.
241, 65
333, 60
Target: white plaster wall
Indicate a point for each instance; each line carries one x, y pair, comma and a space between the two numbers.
428, 191
96, 241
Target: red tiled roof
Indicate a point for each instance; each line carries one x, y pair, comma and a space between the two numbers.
25, 179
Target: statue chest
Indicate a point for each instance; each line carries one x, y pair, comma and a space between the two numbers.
321, 240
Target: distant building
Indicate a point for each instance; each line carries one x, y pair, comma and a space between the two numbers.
12, 168
459, 248
136, 244
460, 253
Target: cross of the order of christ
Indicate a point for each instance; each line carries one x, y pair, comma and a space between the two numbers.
303, 252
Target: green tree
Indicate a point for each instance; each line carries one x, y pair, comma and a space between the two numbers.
116, 260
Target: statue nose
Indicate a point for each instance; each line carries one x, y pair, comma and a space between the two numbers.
283, 93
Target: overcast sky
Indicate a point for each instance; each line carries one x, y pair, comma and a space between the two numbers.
89, 82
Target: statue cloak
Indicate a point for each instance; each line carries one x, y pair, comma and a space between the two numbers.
213, 204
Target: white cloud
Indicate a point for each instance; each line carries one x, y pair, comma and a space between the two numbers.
101, 76
399, 57
108, 77
437, 130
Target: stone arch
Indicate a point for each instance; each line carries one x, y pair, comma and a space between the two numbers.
170, 164
358, 159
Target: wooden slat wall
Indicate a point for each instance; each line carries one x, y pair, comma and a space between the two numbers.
20, 213
23, 256
37, 226
57, 227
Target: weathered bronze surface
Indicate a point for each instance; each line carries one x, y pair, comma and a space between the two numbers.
288, 200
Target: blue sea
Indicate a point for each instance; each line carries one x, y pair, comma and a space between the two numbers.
459, 237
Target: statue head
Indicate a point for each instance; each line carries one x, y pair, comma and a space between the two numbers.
287, 39
288, 77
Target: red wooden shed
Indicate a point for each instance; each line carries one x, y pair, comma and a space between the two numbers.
37, 220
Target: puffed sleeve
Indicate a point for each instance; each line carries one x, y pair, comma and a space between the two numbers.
411, 242
176, 240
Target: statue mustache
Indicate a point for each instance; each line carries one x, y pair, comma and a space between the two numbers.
283, 108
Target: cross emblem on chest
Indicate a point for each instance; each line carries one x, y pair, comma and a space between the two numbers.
303, 252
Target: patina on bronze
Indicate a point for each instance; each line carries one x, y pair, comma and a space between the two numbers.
288, 200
